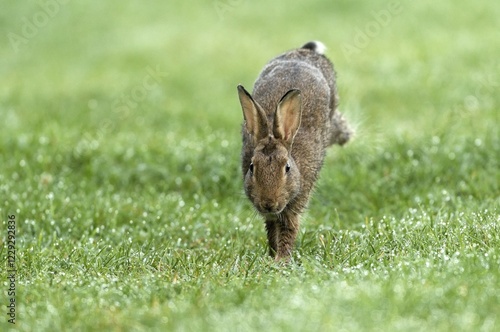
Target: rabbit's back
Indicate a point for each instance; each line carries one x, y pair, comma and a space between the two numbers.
314, 57
312, 74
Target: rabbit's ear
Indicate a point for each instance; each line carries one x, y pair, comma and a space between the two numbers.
288, 115
255, 118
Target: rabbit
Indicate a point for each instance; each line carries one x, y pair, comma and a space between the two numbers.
289, 121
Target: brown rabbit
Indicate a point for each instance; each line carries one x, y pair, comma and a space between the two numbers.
289, 122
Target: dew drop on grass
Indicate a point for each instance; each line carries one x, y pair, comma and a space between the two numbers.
43, 140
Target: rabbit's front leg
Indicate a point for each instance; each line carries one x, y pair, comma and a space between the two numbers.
272, 236
288, 227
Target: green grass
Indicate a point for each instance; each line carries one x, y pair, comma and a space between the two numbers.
134, 218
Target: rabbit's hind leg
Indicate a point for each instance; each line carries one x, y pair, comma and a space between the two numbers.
340, 132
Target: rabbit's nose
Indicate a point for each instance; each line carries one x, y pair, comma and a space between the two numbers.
270, 206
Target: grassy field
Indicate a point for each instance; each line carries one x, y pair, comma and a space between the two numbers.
119, 161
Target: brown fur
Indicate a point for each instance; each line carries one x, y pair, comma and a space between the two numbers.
290, 120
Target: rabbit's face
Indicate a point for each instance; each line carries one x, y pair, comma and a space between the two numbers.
272, 179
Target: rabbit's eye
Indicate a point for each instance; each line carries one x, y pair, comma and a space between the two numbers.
287, 167
251, 168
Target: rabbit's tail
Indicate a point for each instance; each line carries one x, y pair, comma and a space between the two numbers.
315, 46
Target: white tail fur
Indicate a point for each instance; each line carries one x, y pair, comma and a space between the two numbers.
315, 46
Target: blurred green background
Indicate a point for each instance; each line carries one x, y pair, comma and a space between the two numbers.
60, 54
